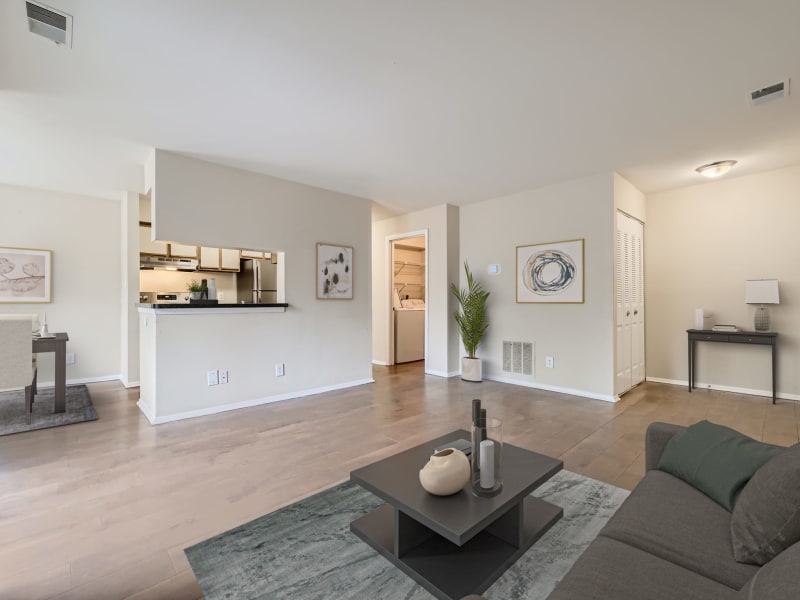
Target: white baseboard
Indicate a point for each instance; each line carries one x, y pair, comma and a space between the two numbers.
553, 388
212, 410
381, 363
80, 380
442, 373
700, 386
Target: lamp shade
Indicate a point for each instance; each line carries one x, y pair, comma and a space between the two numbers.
761, 291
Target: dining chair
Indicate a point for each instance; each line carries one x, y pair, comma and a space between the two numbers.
17, 366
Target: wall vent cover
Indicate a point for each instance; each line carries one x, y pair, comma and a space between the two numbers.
776, 91
518, 357
49, 23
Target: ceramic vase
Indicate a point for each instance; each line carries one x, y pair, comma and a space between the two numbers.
446, 473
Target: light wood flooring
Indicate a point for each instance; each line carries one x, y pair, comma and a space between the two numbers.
103, 510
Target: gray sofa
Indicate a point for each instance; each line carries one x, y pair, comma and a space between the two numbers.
669, 540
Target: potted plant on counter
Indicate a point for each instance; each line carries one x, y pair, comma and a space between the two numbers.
195, 289
472, 322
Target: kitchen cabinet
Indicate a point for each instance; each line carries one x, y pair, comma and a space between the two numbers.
219, 259
252, 254
209, 258
229, 259
148, 246
182, 251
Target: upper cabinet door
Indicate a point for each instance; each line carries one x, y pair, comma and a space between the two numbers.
209, 258
148, 246
230, 259
182, 251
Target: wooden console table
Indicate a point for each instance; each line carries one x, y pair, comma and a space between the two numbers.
57, 344
763, 338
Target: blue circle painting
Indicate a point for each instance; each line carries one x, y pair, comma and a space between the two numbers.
548, 272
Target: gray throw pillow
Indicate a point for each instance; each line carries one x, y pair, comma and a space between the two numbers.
766, 519
779, 579
715, 459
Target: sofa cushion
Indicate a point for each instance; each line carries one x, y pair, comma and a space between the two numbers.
715, 459
766, 519
609, 569
779, 579
672, 520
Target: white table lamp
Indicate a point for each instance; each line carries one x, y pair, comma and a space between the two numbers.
761, 291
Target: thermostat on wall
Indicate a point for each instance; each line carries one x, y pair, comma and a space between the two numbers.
494, 269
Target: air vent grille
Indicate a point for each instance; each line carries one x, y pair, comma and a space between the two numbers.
776, 91
518, 357
50, 24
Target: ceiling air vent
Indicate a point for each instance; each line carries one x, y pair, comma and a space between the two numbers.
776, 91
49, 23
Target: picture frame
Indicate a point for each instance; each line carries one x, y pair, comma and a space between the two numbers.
25, 275
550, 273
334, 278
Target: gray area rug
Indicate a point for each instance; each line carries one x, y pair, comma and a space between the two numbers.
13, 418
306, 550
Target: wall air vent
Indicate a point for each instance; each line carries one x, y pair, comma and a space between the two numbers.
49, 23
776, 91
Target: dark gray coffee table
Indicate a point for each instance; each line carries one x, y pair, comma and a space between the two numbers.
455, 545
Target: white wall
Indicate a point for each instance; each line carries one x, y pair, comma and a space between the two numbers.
701, 244
322, 342
441, 223
84, 235
129, 292
580, 337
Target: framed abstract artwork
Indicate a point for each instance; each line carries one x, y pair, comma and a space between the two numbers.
25, 275
334, 272
550, 273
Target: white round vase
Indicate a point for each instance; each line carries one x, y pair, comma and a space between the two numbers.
447, 472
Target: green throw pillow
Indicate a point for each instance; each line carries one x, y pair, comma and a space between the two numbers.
716, 460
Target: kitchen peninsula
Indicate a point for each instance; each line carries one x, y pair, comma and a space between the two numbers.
182, 344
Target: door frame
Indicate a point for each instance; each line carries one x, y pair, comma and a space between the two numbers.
389, 286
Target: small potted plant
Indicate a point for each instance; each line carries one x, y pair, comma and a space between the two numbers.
472, 323
195, 290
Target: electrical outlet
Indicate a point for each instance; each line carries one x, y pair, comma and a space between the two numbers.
223, 377
70, 358
212, 378
279, 370
549, 362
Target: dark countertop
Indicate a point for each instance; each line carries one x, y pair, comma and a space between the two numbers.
204, 305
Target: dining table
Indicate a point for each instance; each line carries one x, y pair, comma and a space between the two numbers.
56, 342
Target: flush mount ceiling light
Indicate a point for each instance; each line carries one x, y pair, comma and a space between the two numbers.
716, 169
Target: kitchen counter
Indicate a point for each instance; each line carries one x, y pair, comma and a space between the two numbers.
178, 308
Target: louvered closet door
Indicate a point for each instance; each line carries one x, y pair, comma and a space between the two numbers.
629, 303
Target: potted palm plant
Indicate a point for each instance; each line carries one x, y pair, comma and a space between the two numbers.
472, 322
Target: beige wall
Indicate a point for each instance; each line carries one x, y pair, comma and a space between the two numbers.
323, 343
84, 236
442, 226
580, 337
701, 244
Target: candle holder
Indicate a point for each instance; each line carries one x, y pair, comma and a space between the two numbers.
487, 454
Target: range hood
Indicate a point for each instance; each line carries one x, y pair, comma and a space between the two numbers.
167, 264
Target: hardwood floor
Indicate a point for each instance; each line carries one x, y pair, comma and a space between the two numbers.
103, 510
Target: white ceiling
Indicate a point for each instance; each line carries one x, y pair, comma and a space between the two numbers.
410, 103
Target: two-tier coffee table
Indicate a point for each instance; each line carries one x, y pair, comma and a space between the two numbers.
455, 545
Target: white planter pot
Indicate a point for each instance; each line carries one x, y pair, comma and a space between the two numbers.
447, 472
471, 369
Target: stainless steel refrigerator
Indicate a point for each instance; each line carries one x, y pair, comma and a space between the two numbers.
257, 282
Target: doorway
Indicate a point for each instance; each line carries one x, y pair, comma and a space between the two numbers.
408, 325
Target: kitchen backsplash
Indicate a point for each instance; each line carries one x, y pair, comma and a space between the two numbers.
176, 281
